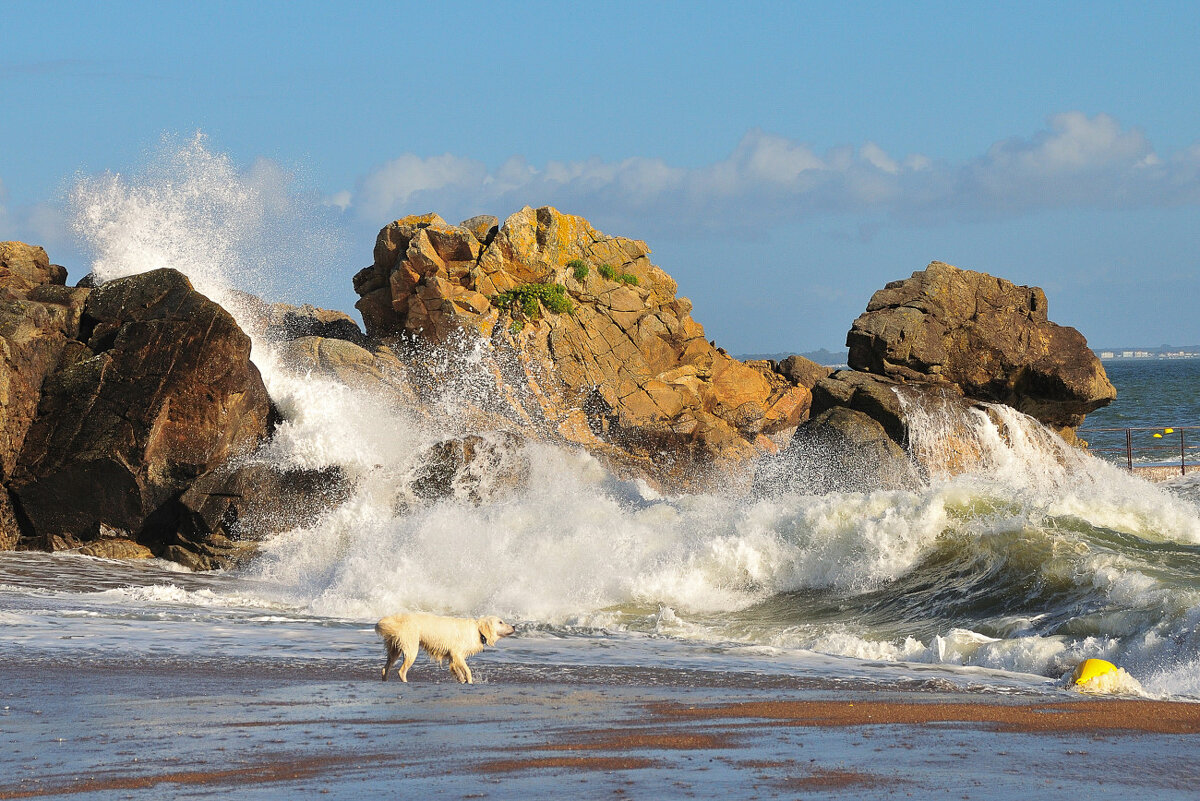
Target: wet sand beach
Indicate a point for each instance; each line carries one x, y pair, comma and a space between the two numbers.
174, 728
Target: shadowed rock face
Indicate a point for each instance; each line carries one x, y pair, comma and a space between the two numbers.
39, 320
986, 336
626, 366
838, 450
163, 391
226, 512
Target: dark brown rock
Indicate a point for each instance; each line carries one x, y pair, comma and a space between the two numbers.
10, 533
801, 371
475, 468
871, 395
39, 320
33, 337
986, 336
226, 510
838, 450
167, 394
288, 322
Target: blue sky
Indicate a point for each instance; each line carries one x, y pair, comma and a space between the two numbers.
783, 160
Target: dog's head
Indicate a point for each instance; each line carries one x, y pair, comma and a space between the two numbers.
493, 628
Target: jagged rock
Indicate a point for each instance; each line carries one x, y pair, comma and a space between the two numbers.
938, 344
838, 450
23, 267
287, 322
986, 336
872, 395
802, 372
626, 364
116, 548
239, 504
374, 283
10, 533
475, 468
39, 319
166, 393
484, 227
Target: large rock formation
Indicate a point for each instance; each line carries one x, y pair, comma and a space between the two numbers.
987, 337
158, 390
39, 320
591, 342
935, 345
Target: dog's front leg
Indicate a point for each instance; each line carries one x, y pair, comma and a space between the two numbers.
459, 667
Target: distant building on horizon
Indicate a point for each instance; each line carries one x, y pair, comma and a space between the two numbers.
1165, 352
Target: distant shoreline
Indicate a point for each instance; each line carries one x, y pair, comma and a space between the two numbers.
1145, 356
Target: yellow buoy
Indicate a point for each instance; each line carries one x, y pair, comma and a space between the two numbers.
1089, 669
1158, 436
1168, 431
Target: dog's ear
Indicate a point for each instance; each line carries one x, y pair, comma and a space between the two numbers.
487, 630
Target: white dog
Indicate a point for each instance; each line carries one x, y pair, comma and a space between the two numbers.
453, 638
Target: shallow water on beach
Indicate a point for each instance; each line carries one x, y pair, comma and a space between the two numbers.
1003, 576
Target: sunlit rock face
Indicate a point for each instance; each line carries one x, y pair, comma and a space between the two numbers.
615, 360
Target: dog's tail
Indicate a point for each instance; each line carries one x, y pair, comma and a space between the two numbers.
388, 629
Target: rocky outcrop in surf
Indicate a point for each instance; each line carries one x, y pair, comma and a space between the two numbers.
986, 338
949, 339
592, 344
145, 385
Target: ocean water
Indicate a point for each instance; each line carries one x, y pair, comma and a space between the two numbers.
1000, 577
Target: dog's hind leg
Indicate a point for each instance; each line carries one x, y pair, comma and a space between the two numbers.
393, 653
410, 656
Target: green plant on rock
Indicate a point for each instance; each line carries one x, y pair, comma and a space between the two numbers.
609, 272
579, 268
529, 299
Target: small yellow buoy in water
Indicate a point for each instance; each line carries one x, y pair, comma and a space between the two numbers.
1158, 436
1089, 669
1168, 431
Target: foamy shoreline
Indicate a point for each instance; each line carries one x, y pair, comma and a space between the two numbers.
156, 728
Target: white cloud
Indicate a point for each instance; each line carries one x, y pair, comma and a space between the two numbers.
339, 200
40, 224
1076, 160
398, 181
